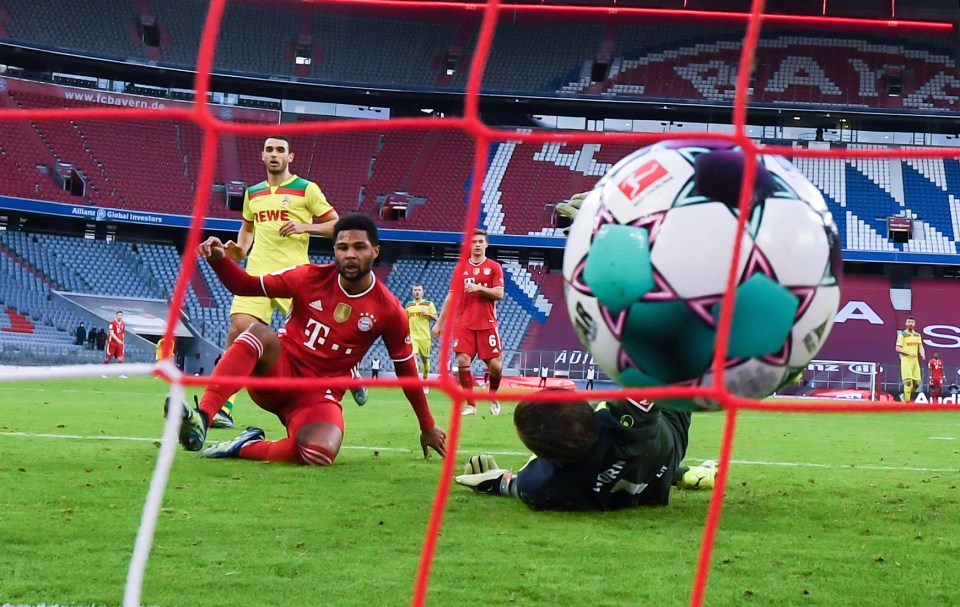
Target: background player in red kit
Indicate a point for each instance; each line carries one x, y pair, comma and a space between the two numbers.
115, 336
477, 332
936, 376
339, 310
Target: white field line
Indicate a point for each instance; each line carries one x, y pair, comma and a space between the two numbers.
509, 453
855, 418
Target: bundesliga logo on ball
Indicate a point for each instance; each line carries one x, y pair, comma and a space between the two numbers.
647, 261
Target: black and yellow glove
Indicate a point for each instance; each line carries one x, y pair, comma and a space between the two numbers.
567, 211
483, 475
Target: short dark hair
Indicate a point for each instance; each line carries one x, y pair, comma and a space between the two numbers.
281, 138
119, 311
561, 432
358, 221
911, 317
480, 232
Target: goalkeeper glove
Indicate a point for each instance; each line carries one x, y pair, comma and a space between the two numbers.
568, 209
483, 476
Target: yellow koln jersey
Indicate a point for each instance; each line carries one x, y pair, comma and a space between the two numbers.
910, 342
419, 319
297, 200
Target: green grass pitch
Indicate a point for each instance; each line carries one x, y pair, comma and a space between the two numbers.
821, 509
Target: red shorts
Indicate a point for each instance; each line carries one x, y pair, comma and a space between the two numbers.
482, 343
936, 381
114, 350
298, 407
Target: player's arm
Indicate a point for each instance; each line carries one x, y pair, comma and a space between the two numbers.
492, 293
923, 353
236, 279
324, 228
900, 348
397, 339
319, 208
431, 312
431, 435
238, 250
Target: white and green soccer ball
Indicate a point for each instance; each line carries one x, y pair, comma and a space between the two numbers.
647, 261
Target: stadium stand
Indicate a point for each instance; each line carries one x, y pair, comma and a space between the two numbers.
40, 330
358, 171
96, 27
650, 58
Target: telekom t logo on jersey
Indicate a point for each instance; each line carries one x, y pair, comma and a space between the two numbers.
642, 178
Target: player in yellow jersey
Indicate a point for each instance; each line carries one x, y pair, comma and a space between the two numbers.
421, 311
161, 344
278, 219
910, 347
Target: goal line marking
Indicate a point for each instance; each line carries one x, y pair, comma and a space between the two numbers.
509, 453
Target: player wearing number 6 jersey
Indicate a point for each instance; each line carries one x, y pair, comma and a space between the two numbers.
339, 310
477, 333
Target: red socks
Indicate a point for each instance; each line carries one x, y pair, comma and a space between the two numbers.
237, 361
494, 382
287, 450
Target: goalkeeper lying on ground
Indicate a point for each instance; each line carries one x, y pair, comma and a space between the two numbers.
614, 454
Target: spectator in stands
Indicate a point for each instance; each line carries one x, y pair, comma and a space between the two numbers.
101, 339
375, 367
81, 334
591, 375
476, 332
614, 454
544, 374
92, 338
274, 235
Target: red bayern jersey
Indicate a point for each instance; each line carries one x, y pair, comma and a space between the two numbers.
476, 311
329, 330
936, 368
117, 328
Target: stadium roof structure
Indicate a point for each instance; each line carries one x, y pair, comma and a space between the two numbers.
877, 10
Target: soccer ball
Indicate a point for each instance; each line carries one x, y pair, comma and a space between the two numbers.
647, 261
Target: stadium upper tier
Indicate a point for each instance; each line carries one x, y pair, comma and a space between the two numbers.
648, 57
153, 166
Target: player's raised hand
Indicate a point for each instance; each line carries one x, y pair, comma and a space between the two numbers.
434, 438
211, 249
234, 251
290, 228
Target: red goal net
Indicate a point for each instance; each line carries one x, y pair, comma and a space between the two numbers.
482, 136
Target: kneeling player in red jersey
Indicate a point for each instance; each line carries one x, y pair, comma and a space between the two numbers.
338, 311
